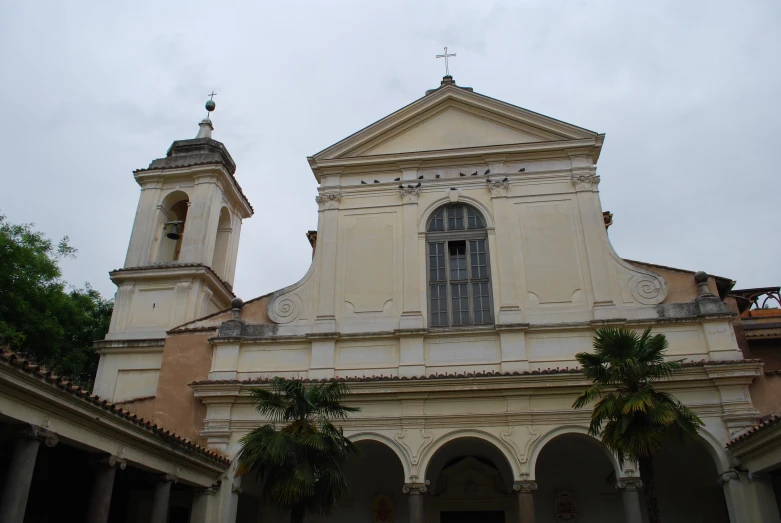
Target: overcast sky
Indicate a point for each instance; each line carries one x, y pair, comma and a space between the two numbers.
687, 92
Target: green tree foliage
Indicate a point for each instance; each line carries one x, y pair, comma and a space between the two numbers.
39, 317
631, 417
299, 456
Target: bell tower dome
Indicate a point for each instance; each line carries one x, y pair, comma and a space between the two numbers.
181, 259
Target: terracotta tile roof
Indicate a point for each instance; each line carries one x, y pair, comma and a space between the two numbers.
483, 374
43, 374
772, 420
176, 265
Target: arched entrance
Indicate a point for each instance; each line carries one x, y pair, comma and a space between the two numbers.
470, 480
576, 481
687, 484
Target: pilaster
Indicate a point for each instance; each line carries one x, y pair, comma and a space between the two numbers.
508, 310
586, 181
325, 320
412, 315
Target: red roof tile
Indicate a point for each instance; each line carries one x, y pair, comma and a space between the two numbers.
772, 420
43, 374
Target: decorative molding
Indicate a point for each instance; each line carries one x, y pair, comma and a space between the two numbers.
648, 289
328, 201
411, 440
409, 194
585, 181
285, 308
521, 456
498, 189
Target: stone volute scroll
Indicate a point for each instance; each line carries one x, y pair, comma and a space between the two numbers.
285, 308
328, 201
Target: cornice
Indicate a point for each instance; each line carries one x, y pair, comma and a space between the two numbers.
460, 331
230, 185
174, 269
477, 153
552, 381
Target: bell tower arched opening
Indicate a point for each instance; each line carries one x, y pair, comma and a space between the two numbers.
171, 227
222, 243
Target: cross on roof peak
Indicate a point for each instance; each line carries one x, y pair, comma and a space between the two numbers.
446, 56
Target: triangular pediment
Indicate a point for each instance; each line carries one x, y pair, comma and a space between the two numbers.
452, 127
451, 118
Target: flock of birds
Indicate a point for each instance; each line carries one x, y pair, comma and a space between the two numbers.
410, 186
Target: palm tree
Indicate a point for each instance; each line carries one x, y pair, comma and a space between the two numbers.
631, 417
301, 462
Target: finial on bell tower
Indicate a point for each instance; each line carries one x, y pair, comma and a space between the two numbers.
206, 126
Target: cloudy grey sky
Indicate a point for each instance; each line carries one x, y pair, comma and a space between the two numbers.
688, 93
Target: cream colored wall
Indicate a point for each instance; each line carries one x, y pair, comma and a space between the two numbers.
130, 373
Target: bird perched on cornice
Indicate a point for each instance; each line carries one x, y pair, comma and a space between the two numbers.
505, 179
462, 174
521, 169
487, 171
376, 181
436, 175
363, 183
397, 179
420, 177
401, 186
418, 185
409, 186
474, 173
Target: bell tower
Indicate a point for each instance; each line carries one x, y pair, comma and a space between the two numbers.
181, 259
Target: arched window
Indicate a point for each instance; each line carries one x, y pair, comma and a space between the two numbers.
458, 271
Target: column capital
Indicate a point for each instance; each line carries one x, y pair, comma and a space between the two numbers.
728, 475
409, 194
499, 188
525, 487
415, 488
585, 181
328, 200
110, 461
168, 478
30, 431
628, 484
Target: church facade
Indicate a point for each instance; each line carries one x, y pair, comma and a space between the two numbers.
461, 260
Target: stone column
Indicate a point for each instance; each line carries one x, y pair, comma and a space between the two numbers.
735, 496
414, 492
762, 498
102, 487
525, 490
20, 472
629, 491
202, 505
160, 498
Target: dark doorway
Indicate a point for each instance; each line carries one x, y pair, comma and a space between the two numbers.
485, 516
